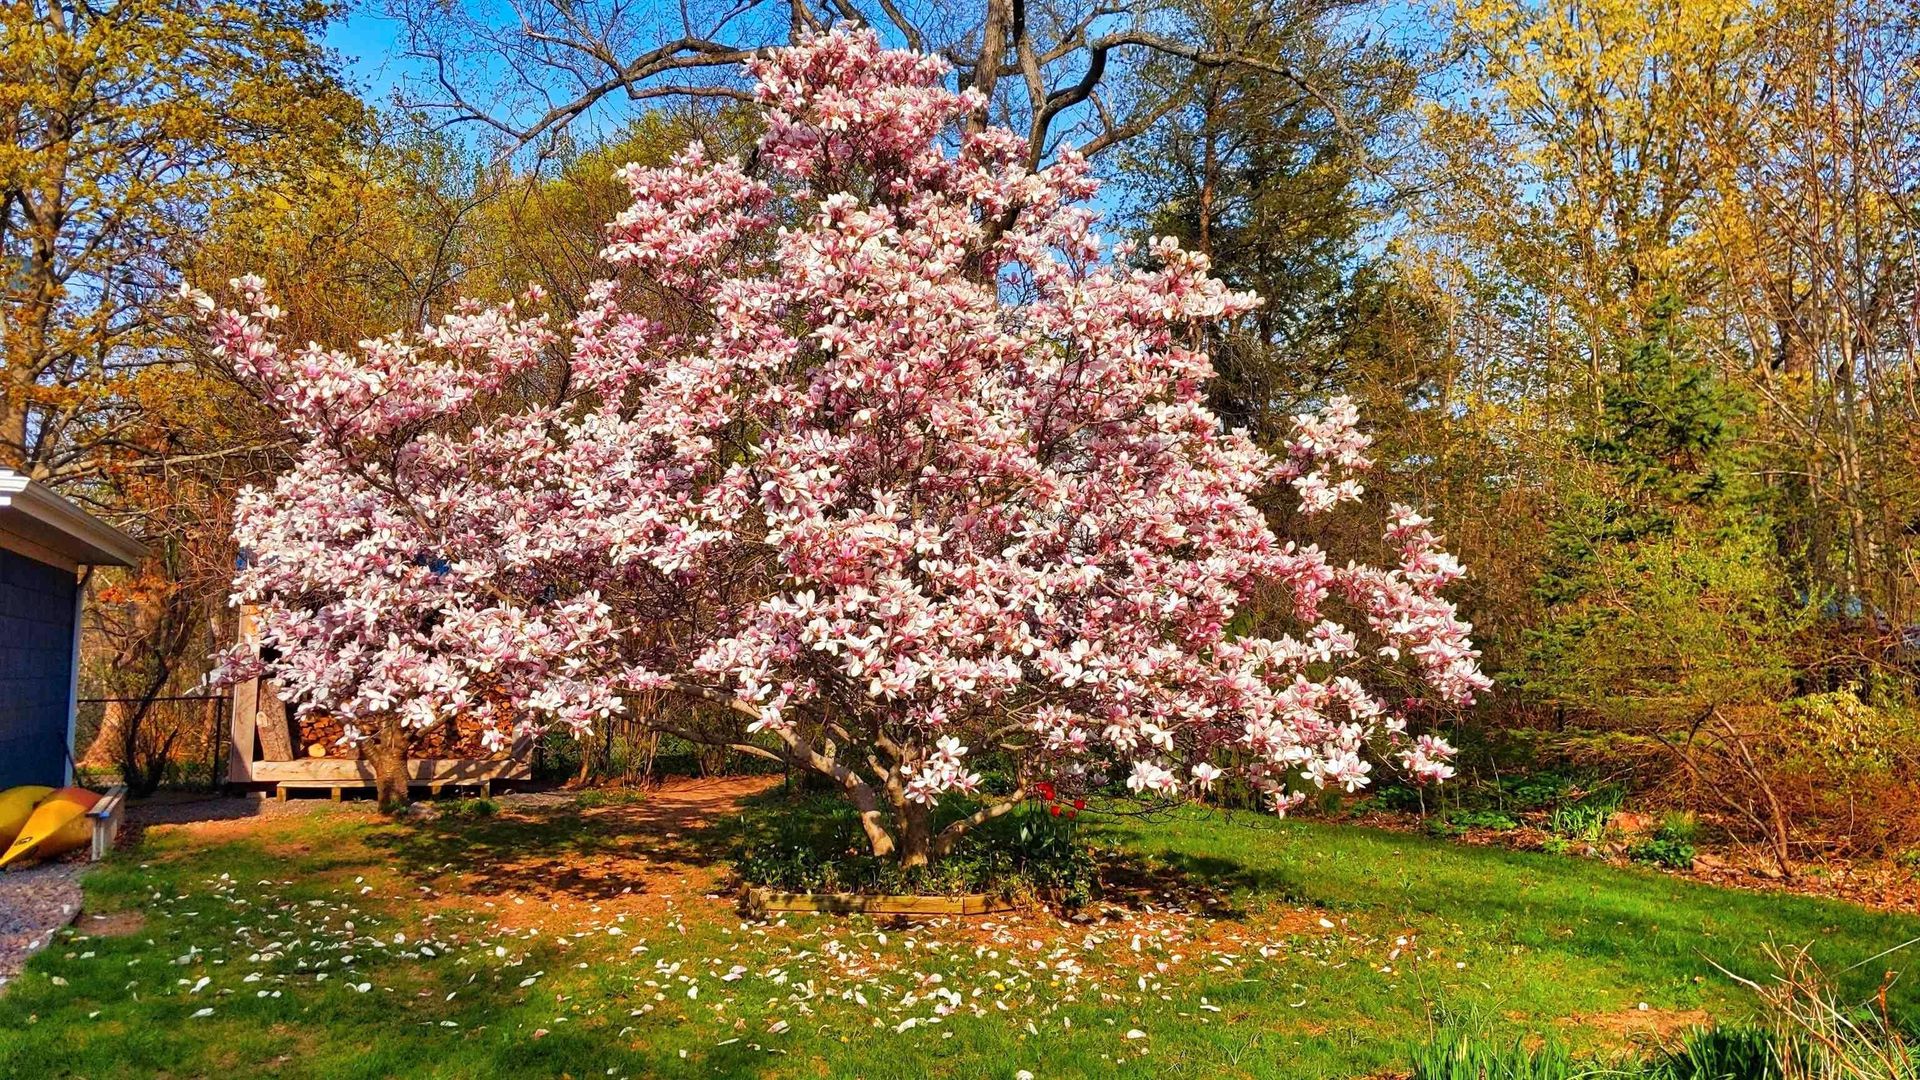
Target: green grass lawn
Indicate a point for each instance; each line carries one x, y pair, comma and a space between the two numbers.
581, 942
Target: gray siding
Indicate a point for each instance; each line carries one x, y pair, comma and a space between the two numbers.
36, 669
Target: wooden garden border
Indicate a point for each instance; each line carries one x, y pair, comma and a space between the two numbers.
762, 901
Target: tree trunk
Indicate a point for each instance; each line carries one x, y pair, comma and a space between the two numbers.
104, 747
586, 762
389, 759
17, 375
993, 51
139, 770
878, 838
1210, 165
916, 836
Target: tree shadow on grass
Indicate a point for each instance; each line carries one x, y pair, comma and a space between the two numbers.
584, 854
1132, 882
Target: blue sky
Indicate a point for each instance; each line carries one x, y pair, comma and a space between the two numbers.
370, 45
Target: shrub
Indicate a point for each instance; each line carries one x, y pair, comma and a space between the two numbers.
1659, 851
1586, 821
1826, 1039
1830, 766
1849, 771
1533, 791
1457, 822
1842, 735
1719, 1053
556, 756
815, 845
1400, 799
476, 808
1679, 825
1671, 845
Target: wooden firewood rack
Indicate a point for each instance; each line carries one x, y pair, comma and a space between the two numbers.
264, 749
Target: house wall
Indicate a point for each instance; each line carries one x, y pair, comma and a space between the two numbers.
37, 605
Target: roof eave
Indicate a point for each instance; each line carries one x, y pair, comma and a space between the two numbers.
104, 544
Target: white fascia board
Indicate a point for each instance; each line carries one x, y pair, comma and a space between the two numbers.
52, 521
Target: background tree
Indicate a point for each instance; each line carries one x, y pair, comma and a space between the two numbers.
1663, 594
1087, 73
1812, 231
1280, 193
124, 127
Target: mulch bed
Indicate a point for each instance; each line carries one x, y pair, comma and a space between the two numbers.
1887, 888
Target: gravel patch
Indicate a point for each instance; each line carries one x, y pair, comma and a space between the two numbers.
34, 903
537, 800
187, 809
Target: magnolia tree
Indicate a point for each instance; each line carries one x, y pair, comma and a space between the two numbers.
869, 446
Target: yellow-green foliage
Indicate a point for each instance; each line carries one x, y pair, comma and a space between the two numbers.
126, 126
1839, 733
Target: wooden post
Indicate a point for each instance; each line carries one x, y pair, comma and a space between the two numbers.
257, 711
275, 722
244, 704
107, 815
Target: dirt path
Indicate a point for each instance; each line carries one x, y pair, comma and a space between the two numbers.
544, 863
680, 805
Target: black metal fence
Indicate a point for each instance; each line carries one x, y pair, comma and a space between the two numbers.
190, 731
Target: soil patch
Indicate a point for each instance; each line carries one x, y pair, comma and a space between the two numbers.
111, 924
543, 863
1639, 1025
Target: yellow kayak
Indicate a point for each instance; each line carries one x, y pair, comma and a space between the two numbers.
58, 825
16, 805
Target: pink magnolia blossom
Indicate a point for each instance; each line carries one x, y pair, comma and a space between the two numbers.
1206, 774
903, 470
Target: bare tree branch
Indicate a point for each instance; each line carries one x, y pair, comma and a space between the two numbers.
1039, 61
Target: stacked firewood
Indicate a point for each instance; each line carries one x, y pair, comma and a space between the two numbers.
458, 738
320, 737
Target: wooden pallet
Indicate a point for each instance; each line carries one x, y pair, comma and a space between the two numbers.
421, 772
762, 901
